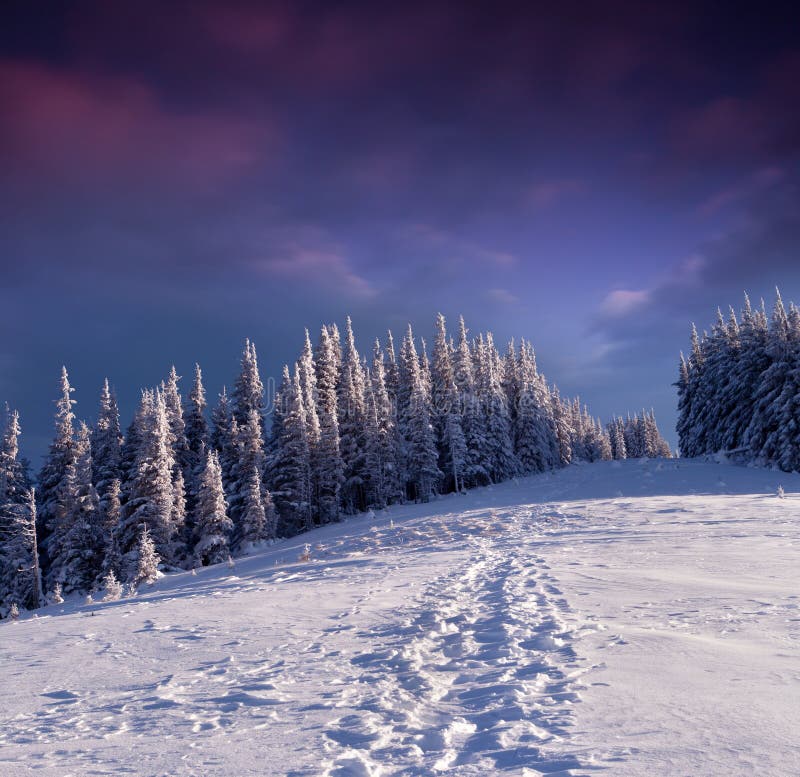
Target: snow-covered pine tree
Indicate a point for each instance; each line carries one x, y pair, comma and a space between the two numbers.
788, 453
28, 584
213, 527
375, 487
452, 444
616, 434
534, 439
196, 430
752, 362
257, 522
150, 496
176, 425
421, 454
58, 466
696, 433
352, 419
106, 446
20, 575
499, 447
290, 463
247, 431
248, 390
634, 437
111, 586
12, 497
336, 345
764, 429
308, 383
223, 438
180, 543
392, 371
328, 465
476, 471
111, 517
146, 559
684, 413
79, 545
563, 431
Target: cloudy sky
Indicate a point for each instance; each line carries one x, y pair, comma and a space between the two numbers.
175, 177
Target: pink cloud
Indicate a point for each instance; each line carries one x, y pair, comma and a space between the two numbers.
321, 267
547, 193
329, 48
724, 125
762, 179
71, 126
758, 123
454, 249
623, 302
502, 296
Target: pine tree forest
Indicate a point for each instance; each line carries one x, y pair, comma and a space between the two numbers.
739, 387
186, 485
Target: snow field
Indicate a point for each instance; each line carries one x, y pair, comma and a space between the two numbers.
633, 618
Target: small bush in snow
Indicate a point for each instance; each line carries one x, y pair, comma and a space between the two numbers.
112, 587
55, 596
306, 554
147, 559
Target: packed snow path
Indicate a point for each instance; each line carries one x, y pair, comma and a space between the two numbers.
636, 619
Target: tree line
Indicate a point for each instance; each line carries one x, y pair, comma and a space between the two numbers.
739, 388
184, 487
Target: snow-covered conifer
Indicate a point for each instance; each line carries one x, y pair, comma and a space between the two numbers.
328, 465
446, 412
196, 430
248, 390
213, 527
112, 587
476, 470
290, 465
57, 468
106, 446
422, 471
147, 558
78, 545
151, 492
352, 417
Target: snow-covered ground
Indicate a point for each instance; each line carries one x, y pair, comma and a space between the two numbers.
637, 619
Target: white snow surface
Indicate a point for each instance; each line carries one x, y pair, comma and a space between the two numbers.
636, 618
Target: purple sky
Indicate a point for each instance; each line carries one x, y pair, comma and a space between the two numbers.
175, 177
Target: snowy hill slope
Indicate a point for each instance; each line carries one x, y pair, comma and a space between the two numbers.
637, 618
